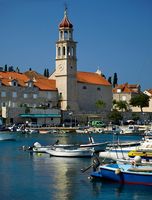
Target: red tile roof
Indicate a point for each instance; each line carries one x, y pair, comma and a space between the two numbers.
127, 88
92, 78
14, 75
33, 74
22, 78
42, 82
47, 84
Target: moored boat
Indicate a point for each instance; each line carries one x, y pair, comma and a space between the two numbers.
96, 146
77, 152
125, 173
131, 129
142, 153
118, 150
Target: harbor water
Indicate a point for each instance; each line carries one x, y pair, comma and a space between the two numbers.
28, 177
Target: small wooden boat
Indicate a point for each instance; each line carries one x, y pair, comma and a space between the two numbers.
125, 173
62, 152
96, 146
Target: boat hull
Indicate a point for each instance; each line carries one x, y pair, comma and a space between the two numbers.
142, 154
96, 146
116, 173
70, 153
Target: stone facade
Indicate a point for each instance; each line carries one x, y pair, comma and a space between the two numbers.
89, 94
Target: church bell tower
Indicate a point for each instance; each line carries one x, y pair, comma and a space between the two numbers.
66, 65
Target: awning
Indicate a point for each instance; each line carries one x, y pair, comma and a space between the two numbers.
40, 115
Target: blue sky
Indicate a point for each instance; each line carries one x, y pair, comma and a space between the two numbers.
112, 35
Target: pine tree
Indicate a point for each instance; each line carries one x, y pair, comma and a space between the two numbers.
5, 68
10, 68
109, 80
47, 72
17, 70
115, 80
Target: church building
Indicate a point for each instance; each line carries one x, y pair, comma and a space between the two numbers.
30, 96
78, 91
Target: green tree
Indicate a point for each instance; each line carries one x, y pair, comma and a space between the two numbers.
115, 116
109, 80
115, 80
100, 104
17, 70
121, 105
10, 68
44, 72
141, 100
47, 72
5, 68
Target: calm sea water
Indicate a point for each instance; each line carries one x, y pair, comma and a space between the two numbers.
26, 177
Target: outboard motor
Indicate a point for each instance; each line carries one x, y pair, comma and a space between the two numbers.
36, 144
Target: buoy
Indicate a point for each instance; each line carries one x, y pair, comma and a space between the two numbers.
137, 159
117, 171
90, 177
39, 154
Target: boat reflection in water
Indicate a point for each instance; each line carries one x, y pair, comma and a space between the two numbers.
62, 173
7, 137
115, 190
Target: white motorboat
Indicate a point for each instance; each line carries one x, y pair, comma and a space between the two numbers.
96, 146
121, 151
77, 152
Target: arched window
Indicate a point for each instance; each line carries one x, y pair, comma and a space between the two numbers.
65, 35
61, 35
70, 35
68, 51
59, 51
64, 51
72, 51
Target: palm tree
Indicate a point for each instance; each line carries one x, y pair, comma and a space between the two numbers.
100, 104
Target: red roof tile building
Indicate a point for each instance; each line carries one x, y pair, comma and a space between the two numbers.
125, 92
